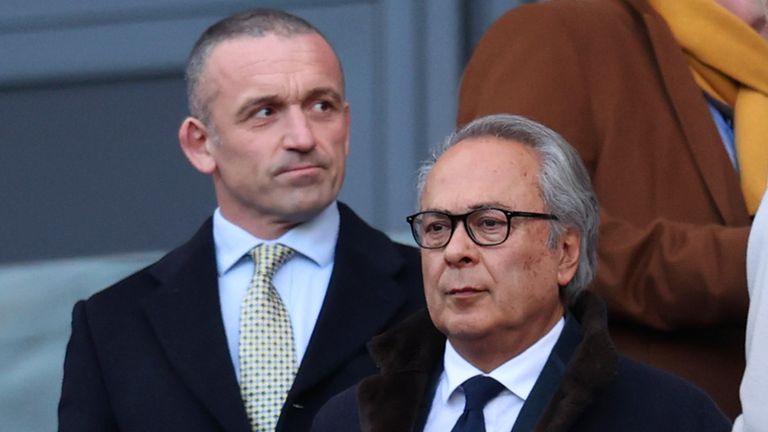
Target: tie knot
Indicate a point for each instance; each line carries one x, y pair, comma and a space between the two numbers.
268, 257
478, 390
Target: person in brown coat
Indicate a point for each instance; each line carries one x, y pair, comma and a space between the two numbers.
616, 79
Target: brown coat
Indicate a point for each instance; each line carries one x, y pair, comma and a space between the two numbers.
609, 76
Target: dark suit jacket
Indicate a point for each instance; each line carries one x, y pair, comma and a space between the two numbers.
584, 386
150, 352
610, 77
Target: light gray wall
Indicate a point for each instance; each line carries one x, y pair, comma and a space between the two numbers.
91, 95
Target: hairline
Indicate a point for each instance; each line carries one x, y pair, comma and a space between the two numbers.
283, 25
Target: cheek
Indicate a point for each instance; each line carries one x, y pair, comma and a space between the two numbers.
531, 266
431, 272
232, 146
524, 267
242, 161
337, 145
435, 305
525, 277
536, 260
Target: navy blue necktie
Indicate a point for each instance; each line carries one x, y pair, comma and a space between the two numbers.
478, 390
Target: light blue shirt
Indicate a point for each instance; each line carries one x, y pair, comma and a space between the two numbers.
518, 375
725, 128
301, 282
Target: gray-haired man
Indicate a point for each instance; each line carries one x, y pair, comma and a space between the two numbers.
510, 339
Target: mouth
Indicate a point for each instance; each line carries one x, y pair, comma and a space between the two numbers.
465, 292
300, 171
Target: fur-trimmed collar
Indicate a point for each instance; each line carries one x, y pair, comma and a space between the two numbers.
409, 355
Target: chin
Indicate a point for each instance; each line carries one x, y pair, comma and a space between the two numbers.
464, 328
310, 202
300, 215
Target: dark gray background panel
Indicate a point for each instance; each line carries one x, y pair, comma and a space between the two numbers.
91, 95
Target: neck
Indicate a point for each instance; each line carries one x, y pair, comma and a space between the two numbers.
262, 226
485, 358
492, 351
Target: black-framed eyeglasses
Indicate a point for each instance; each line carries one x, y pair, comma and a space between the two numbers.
486, 226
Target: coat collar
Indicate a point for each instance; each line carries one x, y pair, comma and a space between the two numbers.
186, 316
690, 107
583, 360
363, 297
408, 357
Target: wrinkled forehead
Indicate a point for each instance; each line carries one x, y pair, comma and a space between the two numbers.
269, 55
484, 171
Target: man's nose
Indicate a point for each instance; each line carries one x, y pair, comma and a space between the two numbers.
299, 136
461, 249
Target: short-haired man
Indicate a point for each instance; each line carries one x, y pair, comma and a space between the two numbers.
508, 231
265, 313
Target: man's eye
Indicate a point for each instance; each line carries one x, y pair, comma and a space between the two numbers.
264, 112
489, 224
321, 106
435, 227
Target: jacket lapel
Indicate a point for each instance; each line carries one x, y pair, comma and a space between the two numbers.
690, 107
550, 377
583, 360
186, 316
362, 299
400, 396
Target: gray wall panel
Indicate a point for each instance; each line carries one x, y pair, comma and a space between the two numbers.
89, 169
91, 94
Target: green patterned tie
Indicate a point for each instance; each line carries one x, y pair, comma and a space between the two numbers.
267, 355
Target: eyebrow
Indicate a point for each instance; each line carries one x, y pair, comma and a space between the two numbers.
327, 92
243, 113
484, 205
494, 204
273, 99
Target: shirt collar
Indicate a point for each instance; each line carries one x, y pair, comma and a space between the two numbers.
518, 374
314, 239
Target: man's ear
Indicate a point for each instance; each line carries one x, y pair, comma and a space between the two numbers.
195, 141
569, 248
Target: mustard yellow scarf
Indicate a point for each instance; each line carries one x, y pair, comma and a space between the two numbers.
729, 60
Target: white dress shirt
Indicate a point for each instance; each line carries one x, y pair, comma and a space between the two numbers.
518, 375
301, 282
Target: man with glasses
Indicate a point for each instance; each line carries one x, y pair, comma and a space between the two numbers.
511, 340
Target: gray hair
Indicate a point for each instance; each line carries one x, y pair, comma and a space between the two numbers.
251, 23
563, 183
